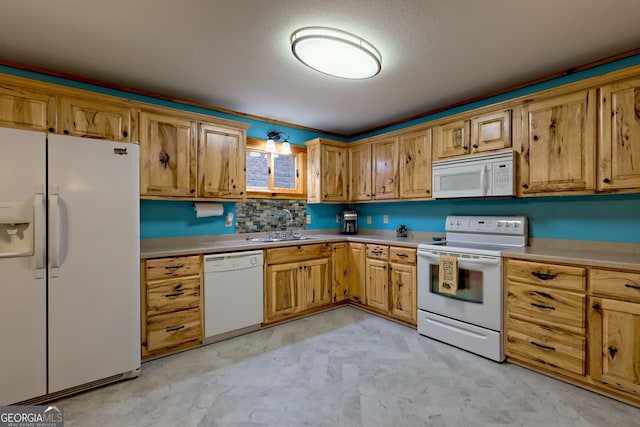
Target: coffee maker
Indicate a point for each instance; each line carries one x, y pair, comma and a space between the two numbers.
349, 221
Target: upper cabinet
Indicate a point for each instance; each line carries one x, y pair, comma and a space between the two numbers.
96, 119
221, 162
373, 169
414, 157
27, 109
619, 150
178, 161
326, 171
167, 156
485, 132
557, 151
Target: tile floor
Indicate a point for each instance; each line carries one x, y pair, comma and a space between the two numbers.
345, 368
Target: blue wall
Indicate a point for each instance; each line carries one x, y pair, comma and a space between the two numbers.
613, 218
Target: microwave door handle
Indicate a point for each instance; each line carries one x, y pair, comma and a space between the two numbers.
483, 179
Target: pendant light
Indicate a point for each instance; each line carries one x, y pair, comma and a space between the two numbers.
285, 148
336, 52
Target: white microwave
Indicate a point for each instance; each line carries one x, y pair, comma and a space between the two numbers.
482, 175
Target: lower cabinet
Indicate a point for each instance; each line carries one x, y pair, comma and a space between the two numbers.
356, 272
391, 282
171, 304
297, 280
576, 322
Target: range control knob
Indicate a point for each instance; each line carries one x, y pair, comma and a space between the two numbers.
500, 224
507, 224
516, 224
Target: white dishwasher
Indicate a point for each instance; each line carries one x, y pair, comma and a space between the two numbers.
232, 294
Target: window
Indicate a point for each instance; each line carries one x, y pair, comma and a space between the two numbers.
273, 174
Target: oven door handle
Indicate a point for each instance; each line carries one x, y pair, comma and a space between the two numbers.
482, 261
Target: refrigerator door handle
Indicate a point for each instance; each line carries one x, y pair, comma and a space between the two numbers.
39, 213
54, 232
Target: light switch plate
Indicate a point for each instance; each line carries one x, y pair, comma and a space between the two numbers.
308, 219
385, 219
368, 219
338, 218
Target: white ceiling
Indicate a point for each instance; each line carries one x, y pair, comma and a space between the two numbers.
235, 54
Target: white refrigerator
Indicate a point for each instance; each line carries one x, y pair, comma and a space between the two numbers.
69, 264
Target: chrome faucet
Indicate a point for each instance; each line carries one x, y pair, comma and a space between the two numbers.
287, 213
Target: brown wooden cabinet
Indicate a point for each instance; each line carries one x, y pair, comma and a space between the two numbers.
24, 108
326, 171
177, 163
221, 162
171, 304
297, 280
545, 315
614, 330
619, 132
557, 151
391, 282
93, 118
414, 158
167, 156
357, 272
484, 132
340, 272
373, 170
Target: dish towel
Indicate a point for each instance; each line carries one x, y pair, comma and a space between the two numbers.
448, 274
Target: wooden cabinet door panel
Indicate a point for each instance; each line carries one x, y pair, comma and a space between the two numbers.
403, 292
360, 172
377, 282
95, 119
221, 163
357, 272
451, 139
614, 343
564, 310
340, 272
619, 150
167, 156
25, 109
491, 131
385, 169
414, 155
558, 152
283, 291
317, 283
334, 174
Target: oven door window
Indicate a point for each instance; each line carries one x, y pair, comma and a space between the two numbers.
469, 285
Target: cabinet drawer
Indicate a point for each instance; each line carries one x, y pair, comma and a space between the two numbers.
377, 251
163, 268
548, 346
173, 295
617, 284
402, 255
545, 306
559, 276
298, 253
168, 330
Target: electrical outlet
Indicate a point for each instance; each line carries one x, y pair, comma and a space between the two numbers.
368, 219
338, 218
228, 221
385, 219
308, 219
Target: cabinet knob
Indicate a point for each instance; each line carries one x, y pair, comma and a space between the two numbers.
466, 147
606, 180
125, 133
66, 132
596, 306
193, 190
525, 186
241, 193
52, 130
536, 137
475, 145
427, 191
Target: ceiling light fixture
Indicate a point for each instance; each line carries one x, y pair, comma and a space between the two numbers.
336, 52
274, 136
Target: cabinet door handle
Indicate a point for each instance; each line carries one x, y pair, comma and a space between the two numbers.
606, 180
52, 130
545, 307
525, 186
596, 306
66, 132
125, 133
178, 294
543, 276
173, 267
402, 255
175, 329
475, 145
628, 285
546, 347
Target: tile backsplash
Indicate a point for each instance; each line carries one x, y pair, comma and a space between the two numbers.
263, 215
